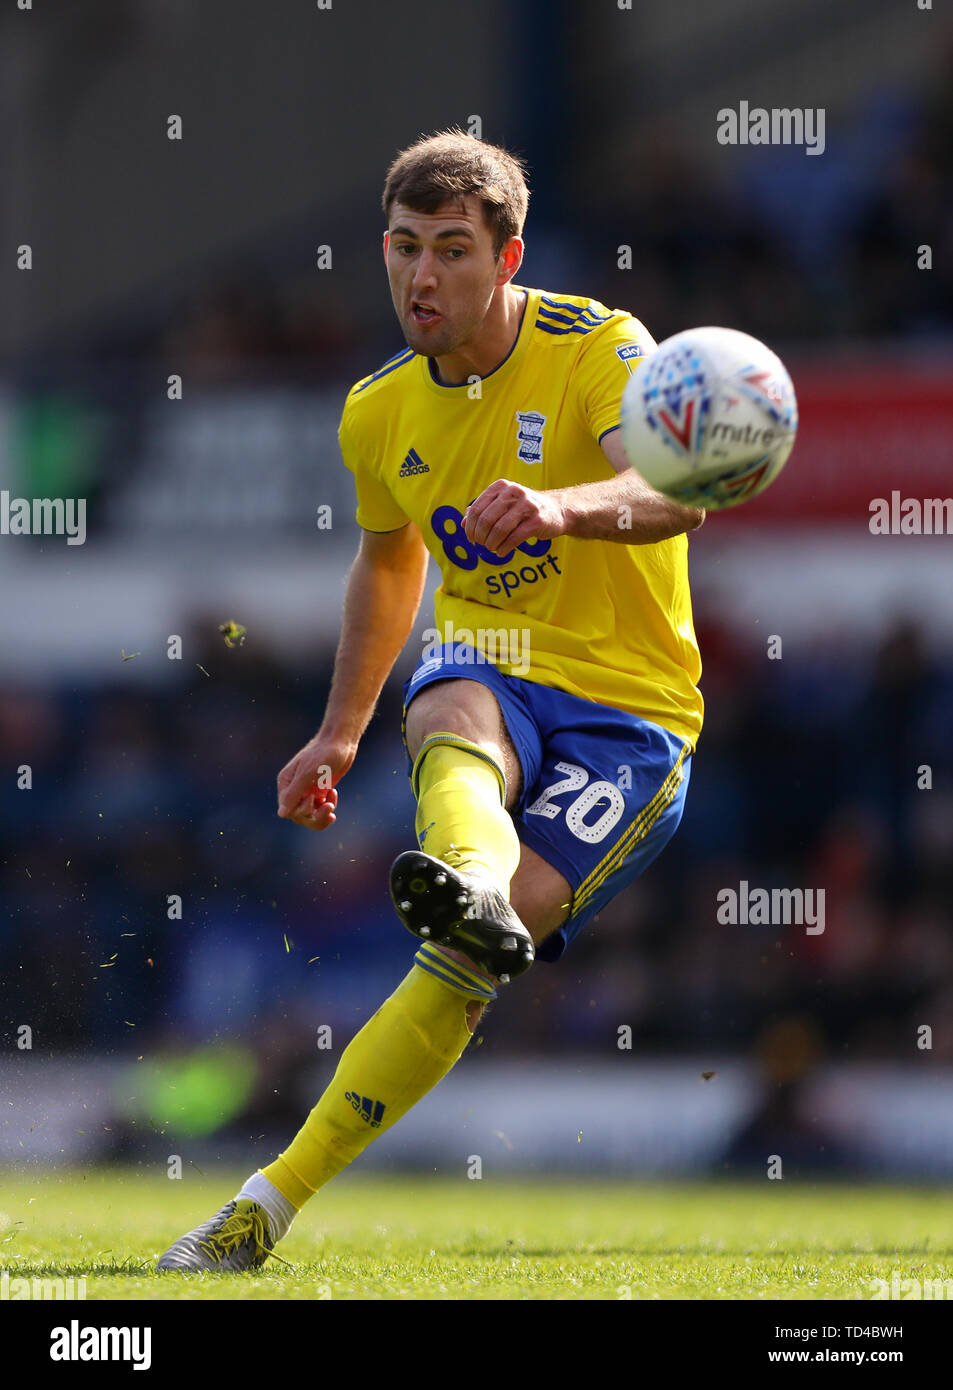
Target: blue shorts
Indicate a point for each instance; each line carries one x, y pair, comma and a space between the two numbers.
603, 791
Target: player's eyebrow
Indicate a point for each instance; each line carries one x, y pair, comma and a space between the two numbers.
440, 236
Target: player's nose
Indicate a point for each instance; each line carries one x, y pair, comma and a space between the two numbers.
425, 271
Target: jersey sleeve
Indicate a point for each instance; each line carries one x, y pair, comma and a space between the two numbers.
376, 508
605, 365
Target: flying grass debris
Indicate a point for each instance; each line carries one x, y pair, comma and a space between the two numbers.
233, 633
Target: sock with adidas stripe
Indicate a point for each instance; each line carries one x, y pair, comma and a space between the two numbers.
399, 1055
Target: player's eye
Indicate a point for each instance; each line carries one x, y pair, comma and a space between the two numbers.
455, 252
404, 246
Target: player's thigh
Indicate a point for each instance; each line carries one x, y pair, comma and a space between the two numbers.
608, 797
470, 710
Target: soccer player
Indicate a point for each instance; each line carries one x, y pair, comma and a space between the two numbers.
550, 737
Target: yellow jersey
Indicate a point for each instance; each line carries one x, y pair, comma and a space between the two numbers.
604, 621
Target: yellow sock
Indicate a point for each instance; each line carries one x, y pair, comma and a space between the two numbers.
399, 1055
461, 812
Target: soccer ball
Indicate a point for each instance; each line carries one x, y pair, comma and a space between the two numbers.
709, 418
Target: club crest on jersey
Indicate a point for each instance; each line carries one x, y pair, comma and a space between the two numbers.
630, 353
529, 434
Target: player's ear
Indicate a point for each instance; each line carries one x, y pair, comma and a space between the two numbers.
386, 245
511, 258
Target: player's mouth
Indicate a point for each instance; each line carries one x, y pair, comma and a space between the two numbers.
424, 314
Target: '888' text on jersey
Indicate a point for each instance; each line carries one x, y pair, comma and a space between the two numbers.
605, 621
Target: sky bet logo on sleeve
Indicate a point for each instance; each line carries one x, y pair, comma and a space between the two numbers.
629, 353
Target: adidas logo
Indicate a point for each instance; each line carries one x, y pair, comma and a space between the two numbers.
370, 1110
412, 464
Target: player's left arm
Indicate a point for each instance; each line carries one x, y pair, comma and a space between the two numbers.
624, 508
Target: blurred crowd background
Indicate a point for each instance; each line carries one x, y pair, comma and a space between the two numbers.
153, 778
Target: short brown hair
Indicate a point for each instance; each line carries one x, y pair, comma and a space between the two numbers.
450, 164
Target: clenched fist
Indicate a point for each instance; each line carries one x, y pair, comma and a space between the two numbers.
505, 514
307, 785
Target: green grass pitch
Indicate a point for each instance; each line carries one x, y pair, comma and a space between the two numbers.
434, 1238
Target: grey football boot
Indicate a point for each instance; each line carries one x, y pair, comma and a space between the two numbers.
235, 1239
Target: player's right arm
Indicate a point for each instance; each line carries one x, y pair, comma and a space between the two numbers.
384, 590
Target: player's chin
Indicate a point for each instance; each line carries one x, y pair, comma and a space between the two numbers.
433, 343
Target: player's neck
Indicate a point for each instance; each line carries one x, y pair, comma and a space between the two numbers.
494, 342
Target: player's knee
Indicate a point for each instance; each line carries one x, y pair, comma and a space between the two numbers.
458, 707
474, 1014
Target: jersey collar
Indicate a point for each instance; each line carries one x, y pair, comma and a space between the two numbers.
502, 369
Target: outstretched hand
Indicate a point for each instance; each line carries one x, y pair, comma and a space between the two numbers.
307, 785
